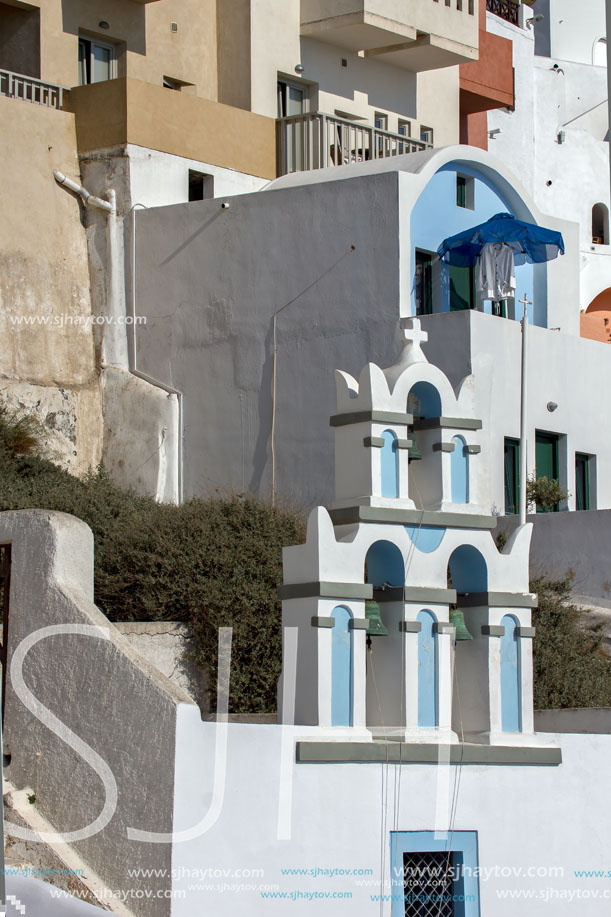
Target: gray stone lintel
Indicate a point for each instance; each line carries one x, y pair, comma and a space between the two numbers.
310, 752
454, 423
424, 594
377, 442
410, 627
529, 632
444, 447
493, 630
441, 627
343, 420
318, 621
351, 515
404, 443
358, 624
326, 591
497, 600
474, 450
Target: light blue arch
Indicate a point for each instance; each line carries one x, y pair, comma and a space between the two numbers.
426, 538
385, 564
427, 670
341, 668
468, 570
390, 465
510, 676
459, 469
429, 398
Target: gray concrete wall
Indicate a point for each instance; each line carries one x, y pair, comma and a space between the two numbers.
103, 691
577, 543
210, 281
593, 720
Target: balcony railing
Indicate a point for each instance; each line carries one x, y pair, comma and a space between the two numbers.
506, 9
26, 88
318, 141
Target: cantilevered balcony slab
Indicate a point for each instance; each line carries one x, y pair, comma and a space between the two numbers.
420, 35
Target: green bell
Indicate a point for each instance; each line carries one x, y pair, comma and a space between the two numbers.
376, 626
414, 452
457, 618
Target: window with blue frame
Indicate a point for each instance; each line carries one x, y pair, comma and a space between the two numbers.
434, 873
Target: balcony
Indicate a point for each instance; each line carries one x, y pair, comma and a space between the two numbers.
27, 89
506, 9
319, 141
417, 36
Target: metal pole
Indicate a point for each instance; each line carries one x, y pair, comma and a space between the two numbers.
523, 427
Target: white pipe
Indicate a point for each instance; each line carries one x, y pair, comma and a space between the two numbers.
90, 200
133, 356
523, 425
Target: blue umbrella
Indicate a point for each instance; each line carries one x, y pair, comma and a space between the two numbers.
531, 243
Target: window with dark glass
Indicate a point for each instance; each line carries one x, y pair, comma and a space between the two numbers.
512, 476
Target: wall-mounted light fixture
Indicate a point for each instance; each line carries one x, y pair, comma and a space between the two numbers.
551, 406
299, 68
173, 27
561, 136
533, 19
493, 133
103, 24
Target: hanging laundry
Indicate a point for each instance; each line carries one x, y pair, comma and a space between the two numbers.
495, 271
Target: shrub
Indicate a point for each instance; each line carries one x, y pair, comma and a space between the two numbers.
209, 563
543, 493
570, 669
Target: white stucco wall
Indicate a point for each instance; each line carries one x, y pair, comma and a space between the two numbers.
572, 29
565, 179
270, 814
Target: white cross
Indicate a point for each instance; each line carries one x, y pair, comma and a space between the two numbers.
525, 302
414, 334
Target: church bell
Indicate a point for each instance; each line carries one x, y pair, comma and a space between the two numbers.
457, 618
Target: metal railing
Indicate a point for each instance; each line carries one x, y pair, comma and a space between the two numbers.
318, 141
26, 88
506, 9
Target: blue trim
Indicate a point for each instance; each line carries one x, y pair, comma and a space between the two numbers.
464, 854
468, 570
385, 564
389, 461
341, 668
426, 538
510, 676
459, 468
427, 671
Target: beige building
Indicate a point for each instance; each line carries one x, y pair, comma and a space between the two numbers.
163, 102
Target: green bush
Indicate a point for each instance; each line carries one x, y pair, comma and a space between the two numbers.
570, 669
543, 493
209, 563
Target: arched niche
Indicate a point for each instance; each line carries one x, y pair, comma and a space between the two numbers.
341, 667
600, 224
459, 469
424, 401
511, 718
389, 465
468, 570
428, 666
384, 565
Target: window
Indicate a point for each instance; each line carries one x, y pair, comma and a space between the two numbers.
97, 61
426, 134
512, 476
20, 40
292, 99
424, 283
405, 128
465, 192
201, 186
434, 874
600, 224
582, 481
380, 121
546, 461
